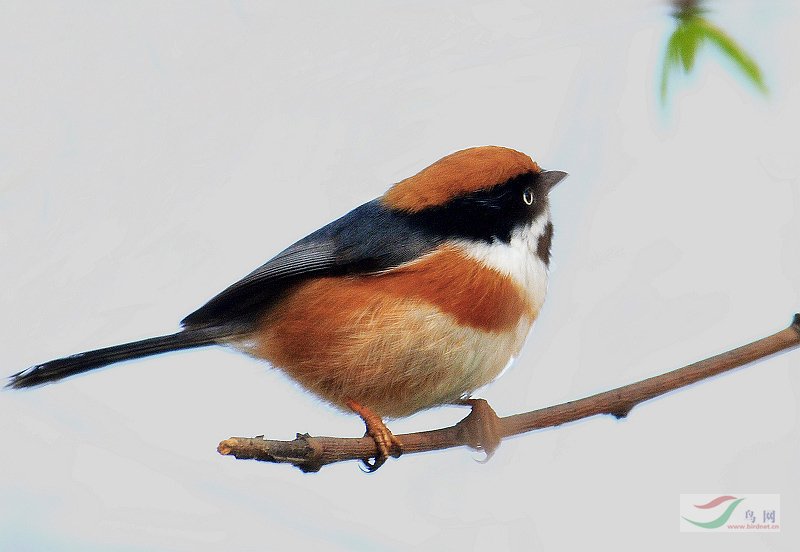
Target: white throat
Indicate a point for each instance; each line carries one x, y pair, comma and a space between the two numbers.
518, 258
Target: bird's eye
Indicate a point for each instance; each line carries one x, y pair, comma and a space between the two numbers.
527, 196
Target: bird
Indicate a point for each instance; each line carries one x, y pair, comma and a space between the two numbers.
412, 300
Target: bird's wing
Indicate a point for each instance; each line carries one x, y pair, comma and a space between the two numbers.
370, 238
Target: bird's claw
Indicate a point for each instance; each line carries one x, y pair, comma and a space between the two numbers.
386, 444
481, 428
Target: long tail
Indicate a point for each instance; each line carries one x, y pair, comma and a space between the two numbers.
55, 370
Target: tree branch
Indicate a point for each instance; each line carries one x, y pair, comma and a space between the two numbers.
311, 453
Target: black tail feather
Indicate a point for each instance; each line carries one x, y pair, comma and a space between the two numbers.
55, 370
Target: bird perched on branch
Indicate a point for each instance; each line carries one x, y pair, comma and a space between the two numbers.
410, 301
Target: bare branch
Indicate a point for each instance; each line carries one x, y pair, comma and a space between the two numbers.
311, 453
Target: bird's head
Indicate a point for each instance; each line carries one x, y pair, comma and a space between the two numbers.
487, 193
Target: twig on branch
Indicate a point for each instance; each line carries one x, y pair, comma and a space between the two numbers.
311, 453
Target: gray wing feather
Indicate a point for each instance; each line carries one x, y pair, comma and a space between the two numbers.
368, 239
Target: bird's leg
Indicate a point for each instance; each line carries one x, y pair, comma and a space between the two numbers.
386, 443
481, 427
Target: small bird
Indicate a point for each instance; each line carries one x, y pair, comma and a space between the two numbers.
410, 301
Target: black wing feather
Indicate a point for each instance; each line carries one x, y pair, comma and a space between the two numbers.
368, 239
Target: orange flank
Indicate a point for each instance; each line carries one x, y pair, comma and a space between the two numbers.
402, 340
475, 295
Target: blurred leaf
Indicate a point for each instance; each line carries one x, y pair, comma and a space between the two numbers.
681, 48
691, 31
671, 59
735, 53
690, 36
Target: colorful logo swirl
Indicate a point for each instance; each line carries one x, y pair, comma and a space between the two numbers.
723, 518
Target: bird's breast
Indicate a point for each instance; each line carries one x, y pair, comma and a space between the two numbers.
520, 259
406, 339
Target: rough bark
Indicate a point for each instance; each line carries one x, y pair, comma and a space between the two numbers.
311, 453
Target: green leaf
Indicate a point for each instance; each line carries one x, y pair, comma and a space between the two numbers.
690, 33
671, 59
682, 49
735, 53
690, 37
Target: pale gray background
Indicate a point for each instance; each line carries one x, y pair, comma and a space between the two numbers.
152, 153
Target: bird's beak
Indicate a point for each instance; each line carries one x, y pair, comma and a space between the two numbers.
549, 179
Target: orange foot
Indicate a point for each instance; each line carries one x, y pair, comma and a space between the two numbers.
385, 443
481, 428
